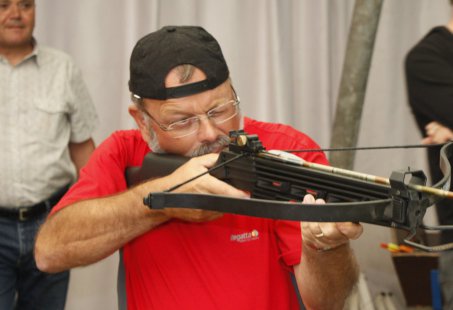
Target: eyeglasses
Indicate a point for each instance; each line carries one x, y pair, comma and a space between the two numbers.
221, 113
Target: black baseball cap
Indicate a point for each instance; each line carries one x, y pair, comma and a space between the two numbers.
158, 52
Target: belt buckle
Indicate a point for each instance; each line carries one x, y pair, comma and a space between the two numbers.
22, 216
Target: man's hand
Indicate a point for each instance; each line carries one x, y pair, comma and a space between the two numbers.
206, 184
437, 133
326, 236
327, 269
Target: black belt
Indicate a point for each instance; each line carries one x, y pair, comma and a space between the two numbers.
25, 213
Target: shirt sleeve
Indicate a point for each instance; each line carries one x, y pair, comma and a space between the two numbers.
430, 86
83, 117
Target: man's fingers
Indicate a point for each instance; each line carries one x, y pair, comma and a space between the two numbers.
350, 230
207, 160
327, 235
308, 199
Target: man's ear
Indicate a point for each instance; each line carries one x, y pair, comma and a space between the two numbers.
140, 120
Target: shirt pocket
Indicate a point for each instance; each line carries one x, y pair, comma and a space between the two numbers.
51, 105
49, 118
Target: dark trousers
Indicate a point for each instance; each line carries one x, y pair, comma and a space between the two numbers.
22, 285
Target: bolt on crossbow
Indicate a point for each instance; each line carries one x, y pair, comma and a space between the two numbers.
278, 181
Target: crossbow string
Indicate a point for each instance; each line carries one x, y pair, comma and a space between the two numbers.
278, 181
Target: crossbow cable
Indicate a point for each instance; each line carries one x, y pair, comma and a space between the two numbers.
278, 182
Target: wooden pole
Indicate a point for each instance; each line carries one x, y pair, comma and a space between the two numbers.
354, 78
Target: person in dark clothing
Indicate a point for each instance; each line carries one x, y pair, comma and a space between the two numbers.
429, 78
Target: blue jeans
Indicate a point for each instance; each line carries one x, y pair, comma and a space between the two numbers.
22, 285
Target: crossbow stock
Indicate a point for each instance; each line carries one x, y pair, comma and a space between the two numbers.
278, 181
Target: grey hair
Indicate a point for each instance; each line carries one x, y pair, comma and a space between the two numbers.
185, 72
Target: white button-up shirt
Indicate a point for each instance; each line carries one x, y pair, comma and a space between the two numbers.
44, 105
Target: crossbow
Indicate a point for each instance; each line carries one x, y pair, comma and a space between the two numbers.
278, 181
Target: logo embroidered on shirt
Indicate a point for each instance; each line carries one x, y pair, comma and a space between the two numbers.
245, 237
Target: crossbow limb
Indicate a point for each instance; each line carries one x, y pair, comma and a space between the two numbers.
278, 182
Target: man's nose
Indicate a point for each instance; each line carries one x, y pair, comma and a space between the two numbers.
207, 131
14, 11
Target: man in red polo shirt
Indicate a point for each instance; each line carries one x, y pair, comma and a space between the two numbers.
184, 103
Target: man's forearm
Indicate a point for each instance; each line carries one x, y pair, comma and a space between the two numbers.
81, 152
91, 230
327, 277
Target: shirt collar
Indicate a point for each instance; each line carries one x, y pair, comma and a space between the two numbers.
34, 54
